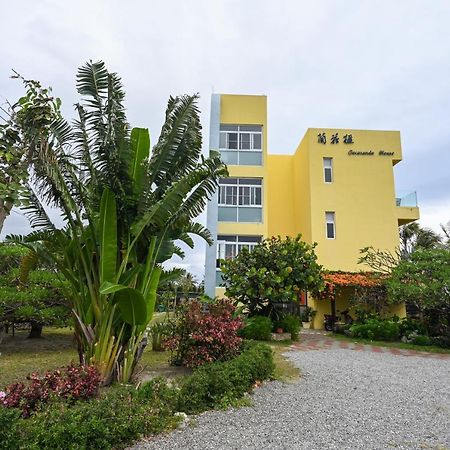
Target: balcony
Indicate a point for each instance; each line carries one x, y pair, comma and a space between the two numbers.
407, 209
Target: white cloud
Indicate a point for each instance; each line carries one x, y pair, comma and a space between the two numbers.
349, 64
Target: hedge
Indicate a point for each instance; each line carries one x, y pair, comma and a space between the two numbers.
122, 415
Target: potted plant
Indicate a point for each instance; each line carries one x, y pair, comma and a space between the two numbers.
307, 316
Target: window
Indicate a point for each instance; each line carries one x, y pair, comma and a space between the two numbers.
229, 246
328, 170
240, 200
331, 225
241, 144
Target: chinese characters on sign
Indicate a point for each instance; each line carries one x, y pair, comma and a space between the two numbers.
322, 138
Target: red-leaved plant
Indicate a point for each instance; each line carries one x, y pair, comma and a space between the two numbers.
201, 337
71, 383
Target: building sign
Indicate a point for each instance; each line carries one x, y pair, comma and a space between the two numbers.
322, 138
348, 139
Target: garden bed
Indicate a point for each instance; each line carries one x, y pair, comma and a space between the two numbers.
121, 415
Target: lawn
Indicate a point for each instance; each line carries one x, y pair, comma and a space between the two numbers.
284, 371
20, 356
401, 345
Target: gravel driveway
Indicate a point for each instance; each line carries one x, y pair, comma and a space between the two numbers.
345, 400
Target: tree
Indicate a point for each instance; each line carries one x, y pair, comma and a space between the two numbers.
24, 139
275, 271
414, 237
423, 280
39, 300
123, 207
446, 238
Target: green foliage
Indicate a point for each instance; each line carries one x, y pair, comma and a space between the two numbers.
24, 138
409, 326
290, 324
421, 340
308, 314
123, 208
257, 328
422, 280
275, 271
160, 332
122, 415
375, 329
219, 384
38, 300
117, 418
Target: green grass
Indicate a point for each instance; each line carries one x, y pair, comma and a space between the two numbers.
401, 345
284, 369
19, 356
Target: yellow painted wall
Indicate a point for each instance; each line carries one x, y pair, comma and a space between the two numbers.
247, 110
362, 195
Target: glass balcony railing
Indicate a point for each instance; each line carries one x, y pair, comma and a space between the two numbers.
409, 200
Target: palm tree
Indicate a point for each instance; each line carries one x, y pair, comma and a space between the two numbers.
124, 208
414, 237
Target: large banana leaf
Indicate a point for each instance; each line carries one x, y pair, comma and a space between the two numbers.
140, 148
132, 306
108, 237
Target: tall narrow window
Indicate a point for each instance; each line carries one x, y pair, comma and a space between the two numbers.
328, 170
331, 224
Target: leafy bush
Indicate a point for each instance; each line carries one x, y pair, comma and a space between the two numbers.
219, 384
275, 271
441, 341
111, 421
375, 329
72, 383
160, 332
421, 340
257, 328
308, 314
409, 326
30, 293
203, 337
290, 324
121, 415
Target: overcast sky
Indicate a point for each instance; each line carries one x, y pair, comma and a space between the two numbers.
344, 64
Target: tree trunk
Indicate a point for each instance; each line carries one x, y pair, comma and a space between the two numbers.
36, 330
5, 208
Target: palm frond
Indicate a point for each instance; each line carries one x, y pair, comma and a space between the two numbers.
36, 213
180, 141
199, 230
168, 276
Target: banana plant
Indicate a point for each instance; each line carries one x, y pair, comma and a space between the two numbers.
125, 208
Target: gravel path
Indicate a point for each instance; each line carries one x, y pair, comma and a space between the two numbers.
345, 400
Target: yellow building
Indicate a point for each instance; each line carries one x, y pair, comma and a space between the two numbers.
337, 189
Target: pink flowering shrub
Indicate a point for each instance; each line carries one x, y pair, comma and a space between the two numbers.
202, 337
71, 383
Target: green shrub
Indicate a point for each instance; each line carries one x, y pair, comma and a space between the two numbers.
374, 329
9, 422
441, 341
257, 328
291, 324
122, 415
218, 384
409, 326
421, 340
118, 418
